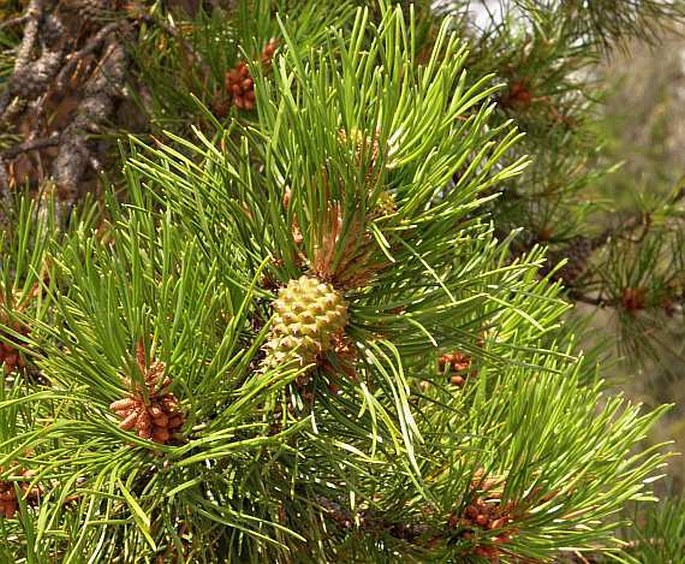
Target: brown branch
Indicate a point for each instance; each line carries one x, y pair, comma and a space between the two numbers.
96, 106
598, 301
92, 45
32, 17
33, 13
33, 145
4, 180
633, 223
5, 196
46, 61
31, 76
19, 20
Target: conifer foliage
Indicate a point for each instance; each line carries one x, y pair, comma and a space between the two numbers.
248, 360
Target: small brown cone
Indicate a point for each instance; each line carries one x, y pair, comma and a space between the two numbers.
268, 52
239, 84
154, 412
10, 356
9, 503
518, 96
240, 87
458, 367
475, 523
634, 299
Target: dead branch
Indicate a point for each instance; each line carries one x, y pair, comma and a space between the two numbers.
31, 145
91, 46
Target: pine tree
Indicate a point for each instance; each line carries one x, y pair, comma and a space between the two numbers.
307, 333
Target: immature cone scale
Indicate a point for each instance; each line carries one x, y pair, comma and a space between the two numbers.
308, 314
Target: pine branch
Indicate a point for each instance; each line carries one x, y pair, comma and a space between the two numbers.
19, 20
34, 78
31, 145
272, 322
94, 43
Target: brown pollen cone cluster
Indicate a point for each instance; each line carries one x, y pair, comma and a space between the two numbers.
634, 299
518, 96
486, 524
239, 84
9, 503
458, 365
9, 354
152, 411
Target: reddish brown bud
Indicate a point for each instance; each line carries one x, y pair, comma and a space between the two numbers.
175, 421
633, 299
482, 520
499, 523
8, 508
160, 435
270, 49
457, 381
161, 421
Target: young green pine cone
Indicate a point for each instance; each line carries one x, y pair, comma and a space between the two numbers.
308, 313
